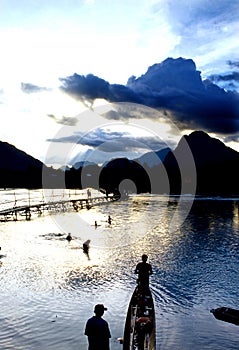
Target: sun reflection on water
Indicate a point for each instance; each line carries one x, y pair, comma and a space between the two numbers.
49, 285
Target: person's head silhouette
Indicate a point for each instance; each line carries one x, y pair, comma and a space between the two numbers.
99, 310
144, 257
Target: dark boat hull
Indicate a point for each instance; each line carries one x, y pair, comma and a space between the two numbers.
139, 331
226, 314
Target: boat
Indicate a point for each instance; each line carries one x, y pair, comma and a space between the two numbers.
226, 314
139, 330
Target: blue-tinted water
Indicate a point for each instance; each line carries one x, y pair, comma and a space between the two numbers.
49, 286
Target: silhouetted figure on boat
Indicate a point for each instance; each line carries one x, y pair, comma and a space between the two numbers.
143, 270
97, 330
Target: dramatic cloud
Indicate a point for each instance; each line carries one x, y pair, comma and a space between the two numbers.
88, 88
174, 87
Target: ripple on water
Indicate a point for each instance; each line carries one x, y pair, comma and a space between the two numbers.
49, 286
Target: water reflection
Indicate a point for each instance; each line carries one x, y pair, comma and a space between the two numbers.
195, 269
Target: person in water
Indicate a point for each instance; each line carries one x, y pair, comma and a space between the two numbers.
68, 237
97, 330
143, 270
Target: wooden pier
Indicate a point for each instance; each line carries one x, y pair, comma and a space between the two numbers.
13, 212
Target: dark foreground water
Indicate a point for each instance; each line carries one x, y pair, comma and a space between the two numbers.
49, 287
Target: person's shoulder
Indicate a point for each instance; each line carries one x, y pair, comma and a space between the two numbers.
103, 320
91, 319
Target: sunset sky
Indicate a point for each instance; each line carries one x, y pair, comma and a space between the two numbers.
49, 48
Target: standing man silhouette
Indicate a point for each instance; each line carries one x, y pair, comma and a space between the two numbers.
97, 330
144, 270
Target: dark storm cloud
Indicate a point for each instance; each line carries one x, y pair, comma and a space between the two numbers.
86, 88
175, 87
30, 88
90, 87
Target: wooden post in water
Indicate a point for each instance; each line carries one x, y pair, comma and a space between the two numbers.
15, 204
28, 210
28, 214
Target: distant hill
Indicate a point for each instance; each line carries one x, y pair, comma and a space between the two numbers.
117, 170
17, 168
151, 159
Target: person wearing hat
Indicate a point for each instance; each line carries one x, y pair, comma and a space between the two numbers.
144, 270
97, 330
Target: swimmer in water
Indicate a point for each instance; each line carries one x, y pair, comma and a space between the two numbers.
68, 237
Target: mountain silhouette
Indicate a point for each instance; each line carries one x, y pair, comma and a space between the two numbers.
18, 169
216, 165
198, 159
151, 159
200, 165
15, 159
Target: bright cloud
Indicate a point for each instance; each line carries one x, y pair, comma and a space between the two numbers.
44, 41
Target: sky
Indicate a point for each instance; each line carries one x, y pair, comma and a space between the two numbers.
63, 62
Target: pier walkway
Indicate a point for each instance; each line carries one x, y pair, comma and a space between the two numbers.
12, 211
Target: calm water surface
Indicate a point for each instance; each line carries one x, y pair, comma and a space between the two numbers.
49, 286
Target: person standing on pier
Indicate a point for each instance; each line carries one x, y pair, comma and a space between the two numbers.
97, 330
143, 270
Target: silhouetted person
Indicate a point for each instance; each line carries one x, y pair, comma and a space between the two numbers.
86, 246
97, 330
144, 270
109, 220
68, 237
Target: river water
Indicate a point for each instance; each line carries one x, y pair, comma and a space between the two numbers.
49, 286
